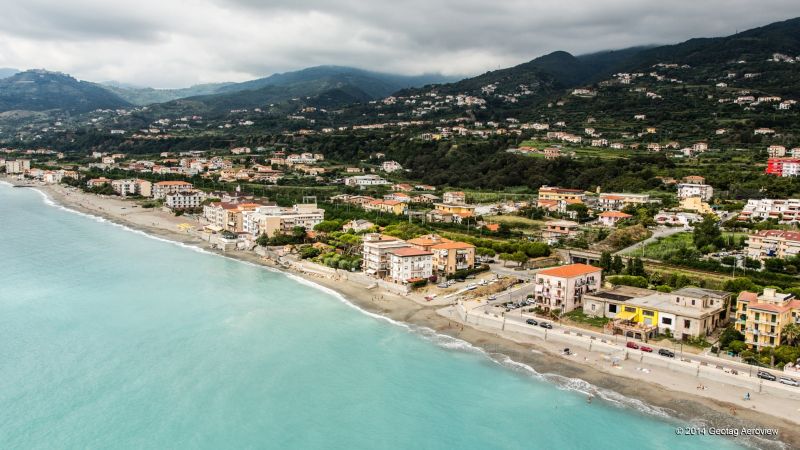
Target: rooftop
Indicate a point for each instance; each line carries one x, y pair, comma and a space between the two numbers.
410, 251
570, 270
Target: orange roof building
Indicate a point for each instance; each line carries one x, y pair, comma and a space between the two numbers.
562, 288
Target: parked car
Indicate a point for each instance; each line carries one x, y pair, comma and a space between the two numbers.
442, 285
764, 375
459, 280
472, 286
632, 345
667, 353
647, 349
547, 325
470, 277
789, 381
491, 298
532, 322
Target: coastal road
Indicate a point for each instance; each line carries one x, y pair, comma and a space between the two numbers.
519, 317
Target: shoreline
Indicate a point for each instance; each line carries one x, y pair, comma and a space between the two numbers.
654, 392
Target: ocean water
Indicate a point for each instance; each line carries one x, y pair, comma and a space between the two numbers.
112, 339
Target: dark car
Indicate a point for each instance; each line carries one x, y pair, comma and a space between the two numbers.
547, 325
766, 375
667, 353
532, 322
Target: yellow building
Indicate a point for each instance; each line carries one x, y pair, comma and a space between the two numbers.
461, 210
560, 194
696, 204
388, 206
761, 318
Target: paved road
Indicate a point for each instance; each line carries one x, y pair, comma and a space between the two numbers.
518, 317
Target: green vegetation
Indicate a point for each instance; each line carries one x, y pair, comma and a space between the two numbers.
578, 316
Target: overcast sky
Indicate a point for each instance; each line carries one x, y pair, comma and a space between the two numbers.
176, 43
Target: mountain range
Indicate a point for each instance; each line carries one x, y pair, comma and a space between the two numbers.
335, 86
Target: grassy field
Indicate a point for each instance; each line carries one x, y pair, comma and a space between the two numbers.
665, 247
517, 222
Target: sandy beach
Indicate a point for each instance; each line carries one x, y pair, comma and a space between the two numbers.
650, 389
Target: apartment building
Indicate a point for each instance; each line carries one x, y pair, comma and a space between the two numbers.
611, 218
179, 201
616, 201
96, 182
784, 211
562, 288
162, 188
561, 194
365, 180
387, 206
273, 220
376, 247
450, 257
454, 198
18, 166
773, 244
688, 312
227, 216
761, 318
783, 167
555, 230
409, 264
687, 190
132, 187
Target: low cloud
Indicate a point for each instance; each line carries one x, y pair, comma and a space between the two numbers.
171, 43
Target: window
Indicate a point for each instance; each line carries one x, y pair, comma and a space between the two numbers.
692, 302
687, 323
612, 308
592, 306
666, 320
648, 313
630, 309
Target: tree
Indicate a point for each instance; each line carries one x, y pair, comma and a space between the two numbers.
299, 234
506, 257
519, 257
581, 211
707, 234
737, 347
617, 265
328, 226
605, 261
484, 251
729, 335
263, 240
791, 332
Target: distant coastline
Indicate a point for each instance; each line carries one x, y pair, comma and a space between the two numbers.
649, 392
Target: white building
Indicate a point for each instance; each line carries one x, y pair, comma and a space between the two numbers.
132, 187
365, 180
162, 188
184, 200
272, 219
409, 264
704, 191
786, 211
376, 261
391, 166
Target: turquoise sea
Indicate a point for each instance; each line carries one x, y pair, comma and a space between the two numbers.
113, 339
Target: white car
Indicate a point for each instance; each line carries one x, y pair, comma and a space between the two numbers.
788, 381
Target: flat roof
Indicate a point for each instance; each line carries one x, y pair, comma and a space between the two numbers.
620, 293
663, 302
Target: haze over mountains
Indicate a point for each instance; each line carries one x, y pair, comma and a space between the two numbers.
334, 86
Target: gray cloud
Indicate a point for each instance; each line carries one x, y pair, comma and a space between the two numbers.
169, 43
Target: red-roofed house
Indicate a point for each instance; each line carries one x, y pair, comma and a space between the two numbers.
562, 288
611, 218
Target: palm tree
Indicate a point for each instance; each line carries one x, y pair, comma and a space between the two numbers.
791, 333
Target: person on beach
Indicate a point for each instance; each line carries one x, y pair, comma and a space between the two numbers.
747, 396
